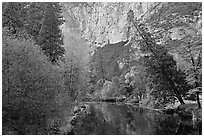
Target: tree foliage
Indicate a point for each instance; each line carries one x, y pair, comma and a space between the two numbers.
50, 39
13, 16
76, 70
34, 19
137, 78
178, 27
38, 21
166, 80
29, 84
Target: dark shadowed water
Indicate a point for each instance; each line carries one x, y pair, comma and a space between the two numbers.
120, 119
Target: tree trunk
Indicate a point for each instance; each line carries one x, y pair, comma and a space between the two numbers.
198, 100
176, 92
180, 99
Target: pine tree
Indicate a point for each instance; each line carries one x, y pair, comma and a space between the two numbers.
184, 20
34, 18
50, 37
167, 81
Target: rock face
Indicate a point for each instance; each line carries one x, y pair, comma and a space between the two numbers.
105, 61
103, 22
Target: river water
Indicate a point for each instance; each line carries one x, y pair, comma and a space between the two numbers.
100, 118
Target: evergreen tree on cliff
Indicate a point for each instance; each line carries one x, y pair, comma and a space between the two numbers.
50, 38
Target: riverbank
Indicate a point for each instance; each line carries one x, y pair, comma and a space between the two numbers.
100, 113
187, 116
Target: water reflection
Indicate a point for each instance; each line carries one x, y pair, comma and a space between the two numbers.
119, 119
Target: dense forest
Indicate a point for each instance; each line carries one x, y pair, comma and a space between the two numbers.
59, 55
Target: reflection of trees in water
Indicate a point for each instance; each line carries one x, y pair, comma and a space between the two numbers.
113, 119
88, 123
173, 125
138, 120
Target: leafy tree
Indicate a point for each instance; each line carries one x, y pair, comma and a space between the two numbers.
139, 81
190, 50
72, 76
50, 37
76, 77
29, 85
41, 21
178, 27
23, 19
76, 65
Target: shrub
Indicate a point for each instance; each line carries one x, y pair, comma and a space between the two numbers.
30, 82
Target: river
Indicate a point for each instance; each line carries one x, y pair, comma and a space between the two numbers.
101, 118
